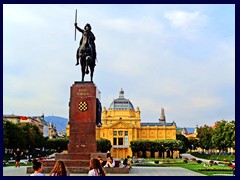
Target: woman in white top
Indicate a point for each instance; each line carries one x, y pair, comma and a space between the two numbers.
110, 162
37, 167
96, 168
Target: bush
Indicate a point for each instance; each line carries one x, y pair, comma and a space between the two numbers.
214, 169
185, 161
193, 159
156, 162
211, 162
199, 161
57, 144
103, 145
231, 165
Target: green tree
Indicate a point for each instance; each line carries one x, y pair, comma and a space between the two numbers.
13, 135
160, 147
57, 143
173, 145
32, 135
156, 145
205, 137
185, 141
224, 135
134, 145
193, 143
103, 145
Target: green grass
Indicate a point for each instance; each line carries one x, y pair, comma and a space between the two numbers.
229, 158
209, 171
191, 165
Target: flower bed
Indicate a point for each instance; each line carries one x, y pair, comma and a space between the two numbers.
215, 169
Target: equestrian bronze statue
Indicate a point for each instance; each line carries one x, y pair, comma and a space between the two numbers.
86, 52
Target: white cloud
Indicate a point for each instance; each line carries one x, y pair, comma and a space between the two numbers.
182, 19
145, 25
204, 102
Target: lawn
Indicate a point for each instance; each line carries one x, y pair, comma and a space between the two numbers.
214, 170
209, 171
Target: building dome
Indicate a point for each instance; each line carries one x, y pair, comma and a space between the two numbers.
121, 103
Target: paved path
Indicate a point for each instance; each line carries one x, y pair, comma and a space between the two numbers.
189, 156
136, 171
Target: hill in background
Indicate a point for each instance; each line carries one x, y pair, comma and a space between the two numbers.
60, 122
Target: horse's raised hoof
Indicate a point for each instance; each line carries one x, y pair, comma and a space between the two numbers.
77, 64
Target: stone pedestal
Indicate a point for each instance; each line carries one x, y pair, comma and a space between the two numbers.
82, 118
82, 144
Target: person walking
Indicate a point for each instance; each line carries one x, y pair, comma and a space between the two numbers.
18, 155
59, 169
37, 167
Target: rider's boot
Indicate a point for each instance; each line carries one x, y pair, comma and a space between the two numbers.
77, 63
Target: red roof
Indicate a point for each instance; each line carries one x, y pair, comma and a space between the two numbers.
23, 117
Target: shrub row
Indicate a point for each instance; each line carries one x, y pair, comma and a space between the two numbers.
214, 169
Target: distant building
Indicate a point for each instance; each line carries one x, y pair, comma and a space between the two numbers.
37, 120
52, 131
44, 124
61, 134
13, 118
121, 124
187, 134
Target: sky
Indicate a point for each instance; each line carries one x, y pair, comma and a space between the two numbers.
180, 57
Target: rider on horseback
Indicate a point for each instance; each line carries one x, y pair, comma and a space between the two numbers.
87, 44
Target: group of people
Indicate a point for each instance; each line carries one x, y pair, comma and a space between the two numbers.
59, 169
96, 166
111, 163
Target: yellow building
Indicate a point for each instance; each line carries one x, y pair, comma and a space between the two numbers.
121, 124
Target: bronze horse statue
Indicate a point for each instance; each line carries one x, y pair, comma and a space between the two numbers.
86, 52
87, 61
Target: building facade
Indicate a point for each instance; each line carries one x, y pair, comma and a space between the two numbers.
36, 120
121, 124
